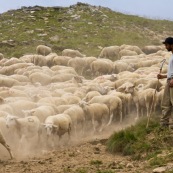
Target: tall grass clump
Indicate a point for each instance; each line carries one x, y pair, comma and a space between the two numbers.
139, 141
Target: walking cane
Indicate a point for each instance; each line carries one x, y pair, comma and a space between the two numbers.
149, 116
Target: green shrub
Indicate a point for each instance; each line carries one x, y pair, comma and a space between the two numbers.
141, 142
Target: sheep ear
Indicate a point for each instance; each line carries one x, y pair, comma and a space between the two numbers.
42, 124
32, 111
55, 126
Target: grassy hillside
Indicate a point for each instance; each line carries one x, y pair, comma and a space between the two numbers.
81, 26
151, 144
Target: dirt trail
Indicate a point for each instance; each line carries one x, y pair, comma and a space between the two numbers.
82, 155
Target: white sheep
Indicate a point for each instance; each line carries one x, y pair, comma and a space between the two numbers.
40, 77
12, 61
126, 52
72, 53
96, 112
61, 60
26, 128
111, 52
142, 99
43, 50
151, 49
6, 81
90, 95
100, 67
77, 116
132, 48
57, 125
119, 66
114, 104
42, 112
50, 59
79, 64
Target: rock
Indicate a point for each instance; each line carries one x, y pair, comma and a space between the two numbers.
55, 38
129, 165
159, 170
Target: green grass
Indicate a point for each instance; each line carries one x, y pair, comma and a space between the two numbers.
142, 143
94, 28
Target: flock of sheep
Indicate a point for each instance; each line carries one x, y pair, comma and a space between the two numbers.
45, 95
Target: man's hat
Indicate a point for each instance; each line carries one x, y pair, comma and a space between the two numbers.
168, 40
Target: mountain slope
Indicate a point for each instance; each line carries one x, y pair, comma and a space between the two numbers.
81, 26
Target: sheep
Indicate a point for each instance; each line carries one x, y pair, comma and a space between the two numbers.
50, 59
79, 64
142, 99
42, 112
20, 78
88, 61
39, 60
9, 70
62, 108
6, 81
90, 95
72, 53
96, 112
43, 50
11, 92
104, 78
126, 52
111, 52
62, 77
119, 66
151, 49
63, 69
40, 77
100, 67
61, 60
3, 142
12, 61
19, 105
77, 116
114, 104
132, 48
27, 128
57, 125
71, 99
126, 101
52, 101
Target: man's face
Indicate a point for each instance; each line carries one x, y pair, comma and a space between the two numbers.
169, 47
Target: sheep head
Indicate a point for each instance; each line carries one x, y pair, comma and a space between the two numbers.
10, 120
50, 128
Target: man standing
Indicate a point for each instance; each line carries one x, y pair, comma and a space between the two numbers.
167, 100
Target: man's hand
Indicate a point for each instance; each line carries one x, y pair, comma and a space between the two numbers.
171, 83
161, 76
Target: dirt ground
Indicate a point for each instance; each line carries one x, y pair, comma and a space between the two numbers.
81, 155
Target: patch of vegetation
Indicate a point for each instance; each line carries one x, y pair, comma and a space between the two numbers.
143, 143
96, 162
82, 26
105, 171
81, 170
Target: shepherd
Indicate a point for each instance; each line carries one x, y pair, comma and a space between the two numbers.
167, 100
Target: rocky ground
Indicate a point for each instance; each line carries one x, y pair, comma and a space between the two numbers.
82, 155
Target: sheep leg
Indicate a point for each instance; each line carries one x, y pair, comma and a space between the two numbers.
110, 120
69, 132
8, 149
101, 126
148, 109
93, 123
121, 116
137, 109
